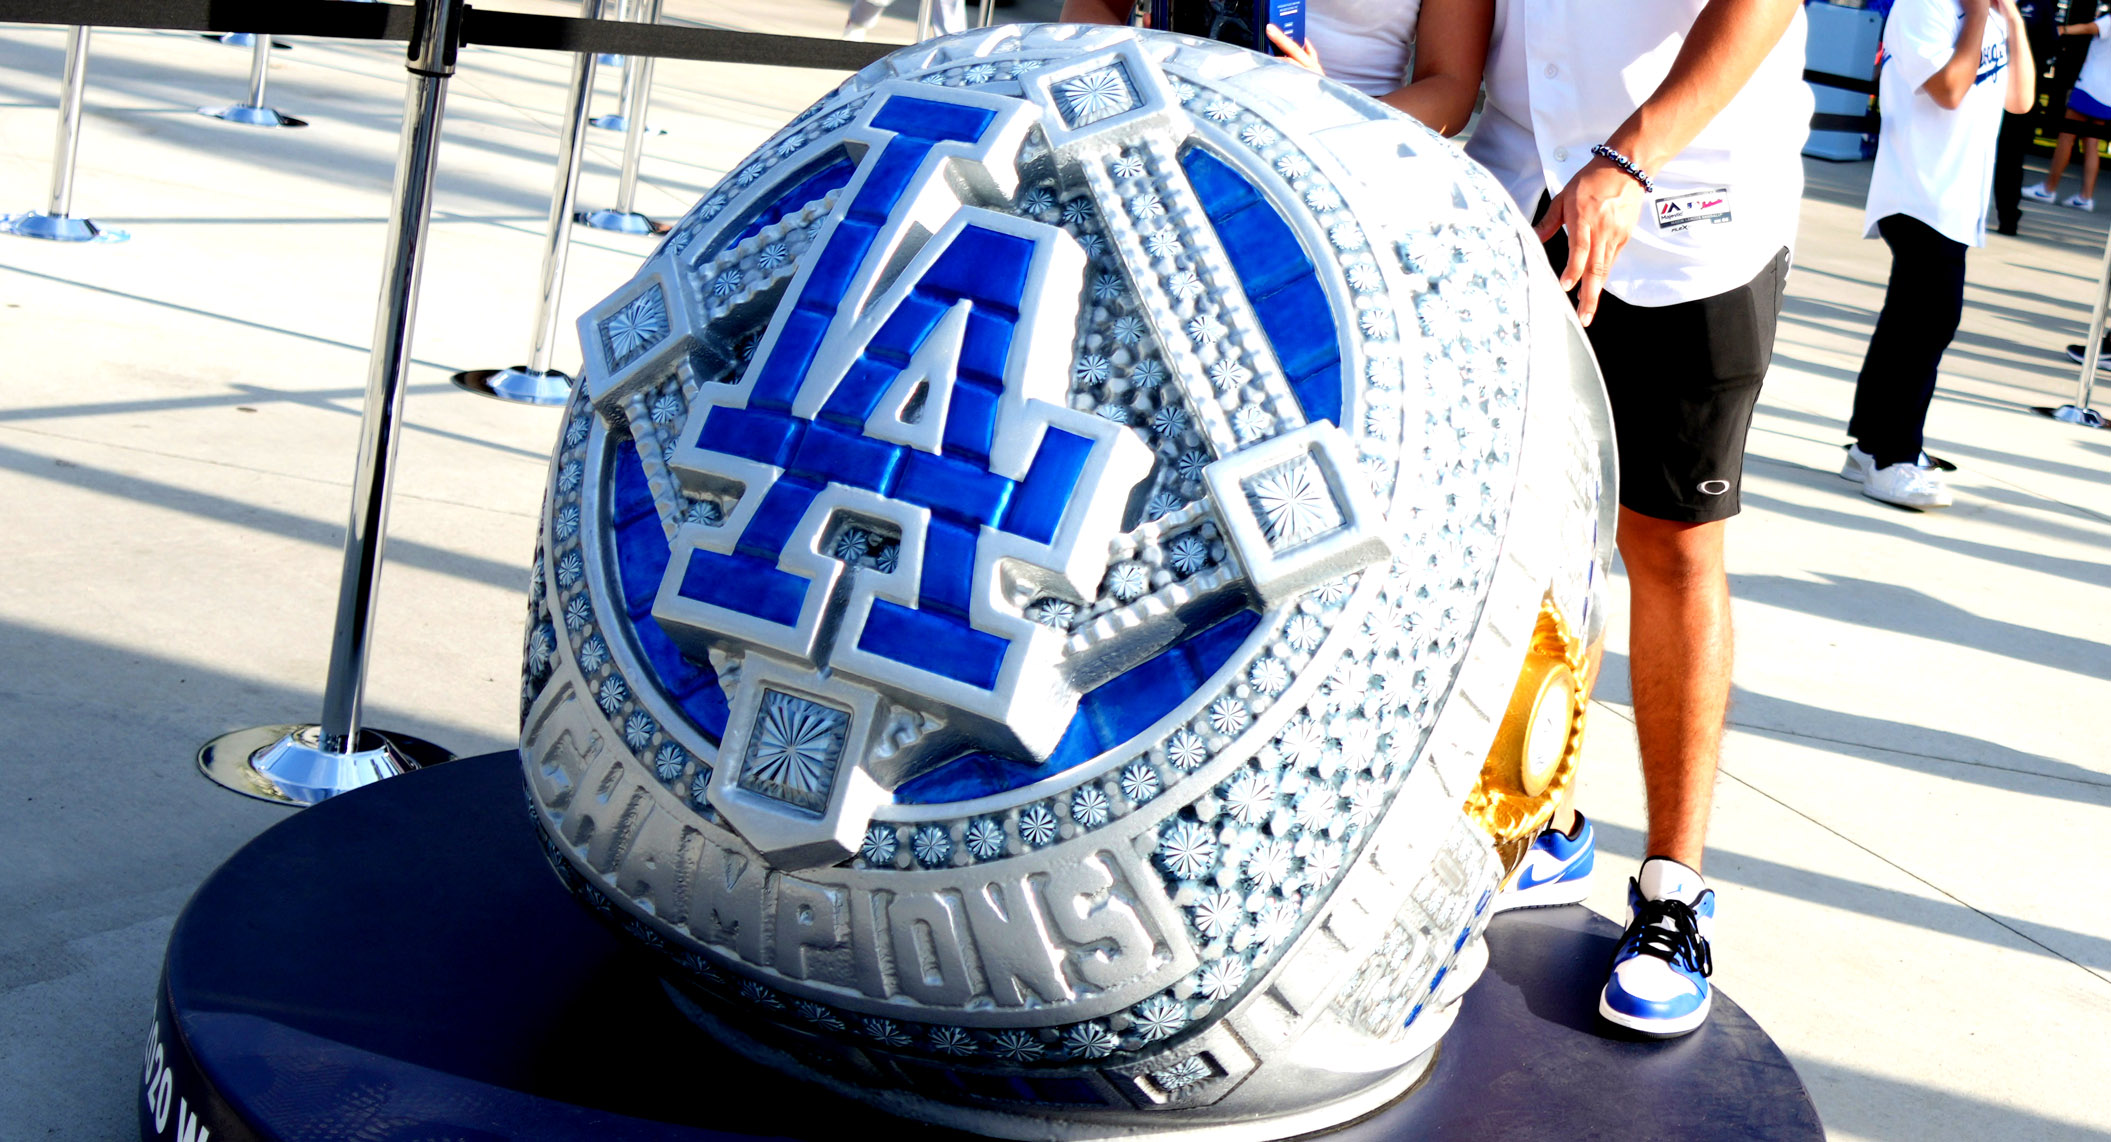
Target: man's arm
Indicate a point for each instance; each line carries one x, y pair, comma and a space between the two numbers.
1096, 11
2022, 69
1953, 81
1451, 49
1601, 205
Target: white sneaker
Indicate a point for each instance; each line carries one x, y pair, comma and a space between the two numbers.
2079, 203
2038, 193
1860, 464
1907, 485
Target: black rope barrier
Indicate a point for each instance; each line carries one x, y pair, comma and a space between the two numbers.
1828, 79
345, 20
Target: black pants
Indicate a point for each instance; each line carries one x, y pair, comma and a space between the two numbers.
2009, 149
1922, 306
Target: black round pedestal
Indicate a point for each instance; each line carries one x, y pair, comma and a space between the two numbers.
399, 964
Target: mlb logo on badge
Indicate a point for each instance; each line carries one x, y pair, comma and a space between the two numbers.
1675, 213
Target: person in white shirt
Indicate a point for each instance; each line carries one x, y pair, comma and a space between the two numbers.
2089, 102
1369, 44
1949, 68
1660, 140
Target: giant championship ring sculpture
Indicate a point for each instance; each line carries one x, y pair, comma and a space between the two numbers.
1067, 581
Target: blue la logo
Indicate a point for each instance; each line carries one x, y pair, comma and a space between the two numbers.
911, 382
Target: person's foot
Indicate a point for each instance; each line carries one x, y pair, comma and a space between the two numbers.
2008, 226
1658, 981
2038, 193
2075, 353
1860, 464
1556, 869
1908, 486
2079, 203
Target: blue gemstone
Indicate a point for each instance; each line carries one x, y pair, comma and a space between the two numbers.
949, 568
971, 421
829, 454
930, 119
1278, 279
829, 172
764, 437
1038, 503
748, 585
954, 489
1107, 716
938, 643
771, 527
633, 494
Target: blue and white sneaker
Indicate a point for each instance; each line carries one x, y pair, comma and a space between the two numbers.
1658, 984
1556, 870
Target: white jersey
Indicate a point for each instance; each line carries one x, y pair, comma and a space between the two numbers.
1366, 44
1934, 163
1563, 75
2095, 79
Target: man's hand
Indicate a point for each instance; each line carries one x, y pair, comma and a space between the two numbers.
1602, 203
1303, 55
1599, 207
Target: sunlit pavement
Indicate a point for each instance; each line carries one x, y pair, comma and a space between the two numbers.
1915, 783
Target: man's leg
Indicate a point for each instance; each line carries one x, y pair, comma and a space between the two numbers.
1679, 667
2090, 157
2009, 150
2061, 151
1923, 304
1682, 431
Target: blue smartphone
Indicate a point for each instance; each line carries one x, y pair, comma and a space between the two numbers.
1241, 22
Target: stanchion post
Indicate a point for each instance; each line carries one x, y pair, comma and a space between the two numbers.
624, 218
253, 112
58, 223
535, 382
923, 20
611, 59
2092, 351
304, 764
620, 121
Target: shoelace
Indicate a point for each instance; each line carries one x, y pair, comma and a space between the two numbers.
1668, 930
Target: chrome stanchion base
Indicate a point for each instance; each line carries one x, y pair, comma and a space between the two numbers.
2074, 414
244, 40
519, 384
621, 123
620, 221
57, 228
249, 116
287, 764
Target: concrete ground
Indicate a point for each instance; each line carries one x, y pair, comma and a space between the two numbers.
1915, 784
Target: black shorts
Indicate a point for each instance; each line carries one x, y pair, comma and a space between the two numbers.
1683, 380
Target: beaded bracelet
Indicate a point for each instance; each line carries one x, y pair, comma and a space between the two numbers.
1627, 166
